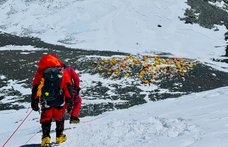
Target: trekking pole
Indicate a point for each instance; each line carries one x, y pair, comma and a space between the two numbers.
17, 128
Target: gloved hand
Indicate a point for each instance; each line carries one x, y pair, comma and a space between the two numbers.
76, 90
35, 106
76, 96
69, 107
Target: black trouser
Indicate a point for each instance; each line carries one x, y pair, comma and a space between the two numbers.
59, 128
46, 127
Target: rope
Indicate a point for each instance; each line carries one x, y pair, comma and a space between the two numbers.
17, 128
80, 122
92, 119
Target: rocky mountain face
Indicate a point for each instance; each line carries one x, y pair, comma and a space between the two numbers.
207, 13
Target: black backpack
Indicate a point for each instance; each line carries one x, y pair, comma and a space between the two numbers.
51, 89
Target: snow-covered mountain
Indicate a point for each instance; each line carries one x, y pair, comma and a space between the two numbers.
129, 27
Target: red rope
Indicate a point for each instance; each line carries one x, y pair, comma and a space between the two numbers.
90, 120
31, 112
17, 128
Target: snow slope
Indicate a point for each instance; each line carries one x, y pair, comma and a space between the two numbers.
194, 120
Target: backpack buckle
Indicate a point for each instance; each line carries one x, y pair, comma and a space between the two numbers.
61, 92
44, 104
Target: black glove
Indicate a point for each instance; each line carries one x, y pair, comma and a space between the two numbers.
35, 106
69, 107
76, 90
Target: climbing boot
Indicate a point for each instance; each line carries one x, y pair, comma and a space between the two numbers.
74, 119
45, 142
61, 139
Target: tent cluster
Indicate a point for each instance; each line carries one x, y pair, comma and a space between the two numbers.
148, 69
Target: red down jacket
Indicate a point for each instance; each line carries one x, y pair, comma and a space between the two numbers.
48, 61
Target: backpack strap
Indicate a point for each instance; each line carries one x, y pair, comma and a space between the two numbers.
39, 91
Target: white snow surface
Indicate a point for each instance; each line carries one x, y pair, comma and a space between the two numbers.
195, 120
